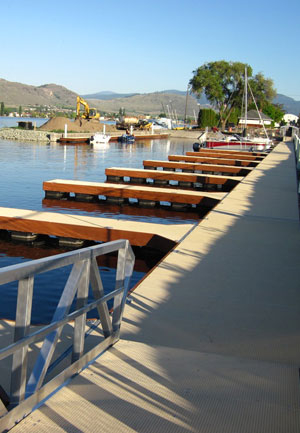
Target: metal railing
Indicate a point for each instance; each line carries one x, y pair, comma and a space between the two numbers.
28, 385
296, 139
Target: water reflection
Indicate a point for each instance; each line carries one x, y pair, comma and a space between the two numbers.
25, 166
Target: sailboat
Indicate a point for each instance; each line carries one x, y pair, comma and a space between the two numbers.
246, 142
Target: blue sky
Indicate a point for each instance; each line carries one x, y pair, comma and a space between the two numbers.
135, 46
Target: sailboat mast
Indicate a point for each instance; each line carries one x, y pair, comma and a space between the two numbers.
246, 100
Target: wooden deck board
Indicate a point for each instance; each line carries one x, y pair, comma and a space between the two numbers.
158, 236
231, 152
228, 155
171, 175
242, 171
215, 160
130, 191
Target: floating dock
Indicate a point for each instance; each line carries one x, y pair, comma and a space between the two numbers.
225, 170
210, 341
229, 155
215, 160
156, 236
123, 192
116, 174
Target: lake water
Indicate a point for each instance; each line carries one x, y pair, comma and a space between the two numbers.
25, 165
9, 122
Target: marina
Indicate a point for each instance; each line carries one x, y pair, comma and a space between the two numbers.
149, 218
210, 309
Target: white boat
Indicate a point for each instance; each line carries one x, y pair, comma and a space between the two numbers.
100, 138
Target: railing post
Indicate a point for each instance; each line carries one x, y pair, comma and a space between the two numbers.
120, 282
82, 298
22, 325
125, 266
98, 293
42, 363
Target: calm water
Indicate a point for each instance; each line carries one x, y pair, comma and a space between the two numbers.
8, 122
24, 167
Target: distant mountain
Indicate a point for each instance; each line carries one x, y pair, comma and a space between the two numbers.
15, 94
107, 95
289, 104
151, 104
12, 93
173, 91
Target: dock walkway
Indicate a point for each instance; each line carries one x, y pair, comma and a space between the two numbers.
211, 339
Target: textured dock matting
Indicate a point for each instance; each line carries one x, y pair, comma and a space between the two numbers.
137, 388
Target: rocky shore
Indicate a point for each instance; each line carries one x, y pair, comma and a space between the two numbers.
23, 135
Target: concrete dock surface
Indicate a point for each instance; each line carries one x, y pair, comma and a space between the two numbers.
211, 339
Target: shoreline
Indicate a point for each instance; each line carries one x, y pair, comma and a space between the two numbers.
47, 136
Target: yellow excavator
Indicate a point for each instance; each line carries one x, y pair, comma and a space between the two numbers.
89, 113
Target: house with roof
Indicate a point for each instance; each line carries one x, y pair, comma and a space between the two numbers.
290, 118
255, 119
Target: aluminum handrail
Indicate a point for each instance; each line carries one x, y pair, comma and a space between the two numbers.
37, 335
296, 140
26, 391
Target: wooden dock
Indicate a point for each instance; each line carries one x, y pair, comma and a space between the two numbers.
211, 152
226, 170
157, 236
125, 192
215, 154
214, 160
79, 138
164, 177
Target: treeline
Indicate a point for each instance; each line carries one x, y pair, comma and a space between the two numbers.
209, 117
38, 111
5, 111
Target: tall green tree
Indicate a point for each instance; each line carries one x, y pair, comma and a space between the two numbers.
207, 117
20, 110
224, 83
2, 109
274, 111
262, 89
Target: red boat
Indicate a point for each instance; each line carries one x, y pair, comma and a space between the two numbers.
233, 140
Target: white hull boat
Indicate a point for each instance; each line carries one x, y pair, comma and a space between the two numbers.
100, 138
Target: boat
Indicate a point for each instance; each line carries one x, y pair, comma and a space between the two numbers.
255, 143
126, 138
73, 140
218, 138
100, 138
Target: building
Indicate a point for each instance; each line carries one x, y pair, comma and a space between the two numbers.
289, 118
253, 119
